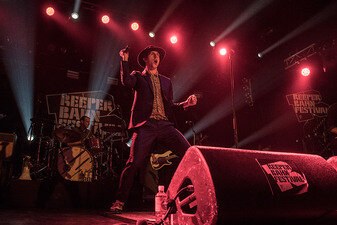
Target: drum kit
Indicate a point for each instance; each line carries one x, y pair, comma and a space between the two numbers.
54, 151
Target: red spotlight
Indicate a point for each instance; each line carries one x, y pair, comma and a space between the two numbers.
50, 11
105, 19
135, 26
305, 71
174, 39
223, 51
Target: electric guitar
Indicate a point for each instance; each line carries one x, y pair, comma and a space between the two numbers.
160, 160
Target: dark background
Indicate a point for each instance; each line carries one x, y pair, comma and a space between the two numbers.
73, 46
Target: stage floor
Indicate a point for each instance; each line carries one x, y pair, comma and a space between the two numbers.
83, 217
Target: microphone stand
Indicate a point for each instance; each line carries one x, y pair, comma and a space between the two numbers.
235, 128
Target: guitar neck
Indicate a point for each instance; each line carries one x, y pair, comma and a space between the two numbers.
171, 157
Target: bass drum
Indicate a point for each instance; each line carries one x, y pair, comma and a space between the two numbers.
75, 164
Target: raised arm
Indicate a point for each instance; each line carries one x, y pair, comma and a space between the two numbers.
128, 80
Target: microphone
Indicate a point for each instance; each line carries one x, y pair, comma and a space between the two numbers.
126, 50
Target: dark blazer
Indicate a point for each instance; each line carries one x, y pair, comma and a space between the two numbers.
143, 95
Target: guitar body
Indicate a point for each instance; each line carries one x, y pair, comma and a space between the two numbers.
160, 160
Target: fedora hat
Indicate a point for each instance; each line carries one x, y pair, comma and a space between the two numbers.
146, 51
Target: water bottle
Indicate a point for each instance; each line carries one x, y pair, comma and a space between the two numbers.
160, 203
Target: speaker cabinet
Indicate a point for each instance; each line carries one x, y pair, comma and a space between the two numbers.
235, 185
7, 142
333, 161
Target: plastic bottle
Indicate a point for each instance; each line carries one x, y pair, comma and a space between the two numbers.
160, 203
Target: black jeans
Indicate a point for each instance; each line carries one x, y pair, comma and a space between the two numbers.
142, 140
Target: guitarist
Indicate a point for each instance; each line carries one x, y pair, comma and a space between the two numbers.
151, 116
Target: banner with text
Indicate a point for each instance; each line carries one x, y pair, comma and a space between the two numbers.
99, 106
307, 105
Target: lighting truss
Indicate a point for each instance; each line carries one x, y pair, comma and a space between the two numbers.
300, 56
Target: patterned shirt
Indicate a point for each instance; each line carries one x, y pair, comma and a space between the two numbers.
158, 111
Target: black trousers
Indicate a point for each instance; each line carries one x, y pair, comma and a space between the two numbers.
142, 140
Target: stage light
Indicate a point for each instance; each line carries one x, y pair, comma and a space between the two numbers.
174, 39
305, 72
74, 15
30, 137
223, 51
212, 43
135, 26
259, 55
50, 11
105, 19
152, 34
129, 143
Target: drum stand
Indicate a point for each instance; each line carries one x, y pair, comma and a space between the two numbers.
46, 169
109, 164
39, 137
43, 166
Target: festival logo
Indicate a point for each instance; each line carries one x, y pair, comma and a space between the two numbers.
100, 107
307, 105
284, 177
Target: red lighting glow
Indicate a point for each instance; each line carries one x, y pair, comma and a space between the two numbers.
135, 26
223, 51
174, 39
105, 19
305, 71
50, 11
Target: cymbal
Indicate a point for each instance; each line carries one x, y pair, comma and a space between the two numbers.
111, 129
41, 120
66, 135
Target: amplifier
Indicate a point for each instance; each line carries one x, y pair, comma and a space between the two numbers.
7, 142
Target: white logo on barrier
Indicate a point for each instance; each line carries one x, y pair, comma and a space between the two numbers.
286, 177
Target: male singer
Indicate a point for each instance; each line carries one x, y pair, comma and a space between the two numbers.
152, 117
